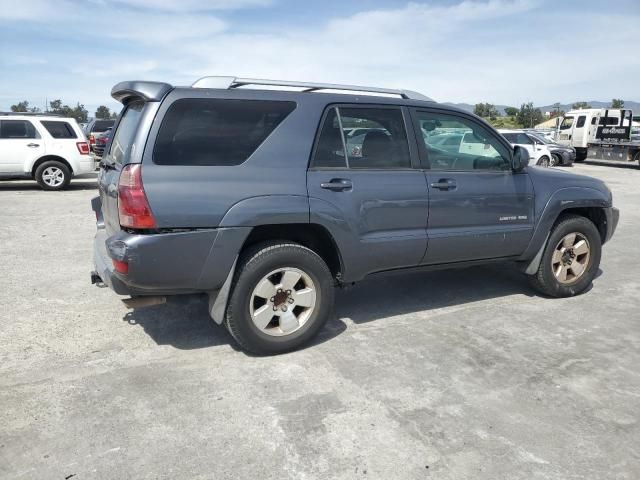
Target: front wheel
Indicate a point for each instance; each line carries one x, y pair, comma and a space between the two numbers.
282, 295
571, 258
543, 161
556, 160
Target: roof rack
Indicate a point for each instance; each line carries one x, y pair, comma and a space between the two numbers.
31, 114
235, 82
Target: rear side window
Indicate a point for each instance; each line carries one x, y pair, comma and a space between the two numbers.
581, 120
125, 133
17, 129
216, 132
59, 129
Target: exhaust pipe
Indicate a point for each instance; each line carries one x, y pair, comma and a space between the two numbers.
139, 302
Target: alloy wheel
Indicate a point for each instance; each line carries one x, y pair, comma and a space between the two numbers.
53, 176
570, 258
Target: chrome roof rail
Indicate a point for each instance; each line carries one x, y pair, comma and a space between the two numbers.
235, 82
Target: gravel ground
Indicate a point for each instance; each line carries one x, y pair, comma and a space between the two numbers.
462, 374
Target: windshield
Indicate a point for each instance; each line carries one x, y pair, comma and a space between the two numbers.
566, 123
122, 143
541, 139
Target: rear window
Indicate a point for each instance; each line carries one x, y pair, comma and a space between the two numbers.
125, 133
102, 125
216, 132
59, 129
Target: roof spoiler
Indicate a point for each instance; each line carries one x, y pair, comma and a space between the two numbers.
125, 92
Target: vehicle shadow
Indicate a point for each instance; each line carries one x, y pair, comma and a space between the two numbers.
188, 326
390, 295
31, 185
630, 165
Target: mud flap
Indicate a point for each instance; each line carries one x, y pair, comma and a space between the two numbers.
218, 299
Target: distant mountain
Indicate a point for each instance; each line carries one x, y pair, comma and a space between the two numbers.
635, 106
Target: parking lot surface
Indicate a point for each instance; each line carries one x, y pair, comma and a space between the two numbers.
463, 374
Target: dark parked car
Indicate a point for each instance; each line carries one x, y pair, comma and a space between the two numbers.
252, 197
95, 128
561, 155
101, 142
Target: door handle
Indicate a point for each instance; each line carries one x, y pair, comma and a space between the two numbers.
337, 185
444, 184
33, 145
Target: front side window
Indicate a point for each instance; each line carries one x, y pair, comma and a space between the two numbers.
17, 129
479, 149
524, 139
566, 124
581, 121
216, 132
377, 139
59, 129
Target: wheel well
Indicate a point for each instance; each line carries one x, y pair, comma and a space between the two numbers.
595, 214
313, 236
47, 158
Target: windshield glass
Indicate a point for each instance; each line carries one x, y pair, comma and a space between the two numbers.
123, 139
566, 123
541, 139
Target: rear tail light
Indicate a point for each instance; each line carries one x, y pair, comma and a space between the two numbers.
92, 139
120, 266
83, 147
133, 207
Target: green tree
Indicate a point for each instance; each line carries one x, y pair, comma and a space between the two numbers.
529, 116
78, 112
511, 111
103, 112
617, 103
579, 105
486, 110
20, 107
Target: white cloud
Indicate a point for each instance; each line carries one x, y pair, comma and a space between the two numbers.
193, 5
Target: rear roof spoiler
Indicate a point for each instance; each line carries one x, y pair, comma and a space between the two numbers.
125, 92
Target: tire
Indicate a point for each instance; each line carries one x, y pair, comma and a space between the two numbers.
581, 156
556, 160
53, 175
543, 161
259, 288
546, 281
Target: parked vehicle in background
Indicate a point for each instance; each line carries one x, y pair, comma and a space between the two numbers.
44, 147
96, 127
252, 197
101, 142
600, 134
538, 151
561, 155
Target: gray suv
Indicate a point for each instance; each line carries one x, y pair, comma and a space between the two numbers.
248, 191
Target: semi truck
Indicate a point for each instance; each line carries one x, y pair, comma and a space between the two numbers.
601, 134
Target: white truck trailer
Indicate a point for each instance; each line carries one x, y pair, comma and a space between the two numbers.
600, 134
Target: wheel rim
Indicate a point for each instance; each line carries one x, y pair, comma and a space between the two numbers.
282, 301
570, 258
544, 161
53, 176
555, 161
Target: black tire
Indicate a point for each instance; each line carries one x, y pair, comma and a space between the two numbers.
251, 269
556, 160
53, 164
581, 156
543, 161
544, 279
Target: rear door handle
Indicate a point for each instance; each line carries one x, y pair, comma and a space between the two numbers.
33, 145
444, 184
337, 185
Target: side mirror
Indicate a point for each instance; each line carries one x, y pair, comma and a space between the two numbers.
520, 158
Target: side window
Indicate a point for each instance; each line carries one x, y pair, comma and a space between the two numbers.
581, 121
59, 129
479, 149
524, 139
382, 141
377, 139
216, 132
593, 120
330, 149
17, 129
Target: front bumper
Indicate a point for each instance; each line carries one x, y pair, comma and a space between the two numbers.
613, 216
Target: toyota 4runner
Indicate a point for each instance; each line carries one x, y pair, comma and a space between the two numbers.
247, 190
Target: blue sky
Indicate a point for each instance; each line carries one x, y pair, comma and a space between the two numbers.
500, 51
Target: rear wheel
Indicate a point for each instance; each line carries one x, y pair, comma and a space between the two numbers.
53, 175
543, 161
571, 258
281, 297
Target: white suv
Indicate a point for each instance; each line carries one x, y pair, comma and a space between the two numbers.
539, 154
47, 148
